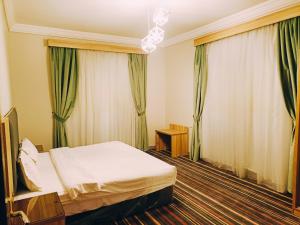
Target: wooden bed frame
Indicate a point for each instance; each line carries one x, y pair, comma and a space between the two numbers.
10, 146
9, 162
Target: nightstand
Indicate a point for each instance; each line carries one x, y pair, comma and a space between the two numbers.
41, 210
175, 138
40, 148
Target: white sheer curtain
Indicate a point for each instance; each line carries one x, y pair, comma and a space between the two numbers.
246, 127
104, 109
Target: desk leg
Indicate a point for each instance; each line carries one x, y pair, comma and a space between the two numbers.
175, 145
185, 144
179, 145
159, 142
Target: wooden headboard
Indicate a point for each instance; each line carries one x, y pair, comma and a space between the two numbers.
3, 196
9, 152
10, 148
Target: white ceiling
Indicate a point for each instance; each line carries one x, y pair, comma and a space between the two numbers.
123, 17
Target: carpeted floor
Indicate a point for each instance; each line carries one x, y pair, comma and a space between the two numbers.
206, 195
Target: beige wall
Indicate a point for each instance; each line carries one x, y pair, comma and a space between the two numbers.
29, 77
156, 93
30, 92
179, 85
5, 95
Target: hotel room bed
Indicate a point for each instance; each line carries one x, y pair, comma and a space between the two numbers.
104, 180
93, 176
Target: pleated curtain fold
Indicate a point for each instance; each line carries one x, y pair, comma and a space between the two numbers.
245, 124
200, 84
64, 76
137, 64
288, 52
104, 110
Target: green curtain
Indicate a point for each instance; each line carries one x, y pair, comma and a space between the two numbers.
64, 77
137, 64
200, 83
288, 47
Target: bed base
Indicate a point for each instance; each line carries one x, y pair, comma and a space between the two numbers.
126, 208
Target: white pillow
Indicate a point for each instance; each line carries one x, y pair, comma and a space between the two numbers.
29, 172
29, 149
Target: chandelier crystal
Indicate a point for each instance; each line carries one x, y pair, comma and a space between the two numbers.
147, 44
161, 16
157, 35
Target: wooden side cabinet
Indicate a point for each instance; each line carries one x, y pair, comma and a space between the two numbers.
175, 138
40, 210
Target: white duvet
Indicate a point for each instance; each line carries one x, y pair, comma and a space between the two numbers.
112, 167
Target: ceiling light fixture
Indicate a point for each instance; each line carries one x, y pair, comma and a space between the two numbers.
156, 34
161, 16
147, 44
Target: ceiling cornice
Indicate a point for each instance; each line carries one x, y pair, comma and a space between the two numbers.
249, 14
63, 33
241, 17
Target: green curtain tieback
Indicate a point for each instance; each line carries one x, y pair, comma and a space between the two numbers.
196, 118
58, 118
141, 113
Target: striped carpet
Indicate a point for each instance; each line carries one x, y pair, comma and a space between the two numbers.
204, 194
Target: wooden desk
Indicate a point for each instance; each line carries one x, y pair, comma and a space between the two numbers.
41, 210
175, 138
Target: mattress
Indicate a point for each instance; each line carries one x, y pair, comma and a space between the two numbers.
122, 173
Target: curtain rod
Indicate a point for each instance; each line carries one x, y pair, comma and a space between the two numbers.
107, 47
251, 25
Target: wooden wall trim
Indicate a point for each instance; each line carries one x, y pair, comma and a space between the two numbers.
296, 174
93, 46
251, 25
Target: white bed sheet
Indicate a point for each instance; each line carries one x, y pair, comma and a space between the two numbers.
153, 175
111, 167
50, 180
